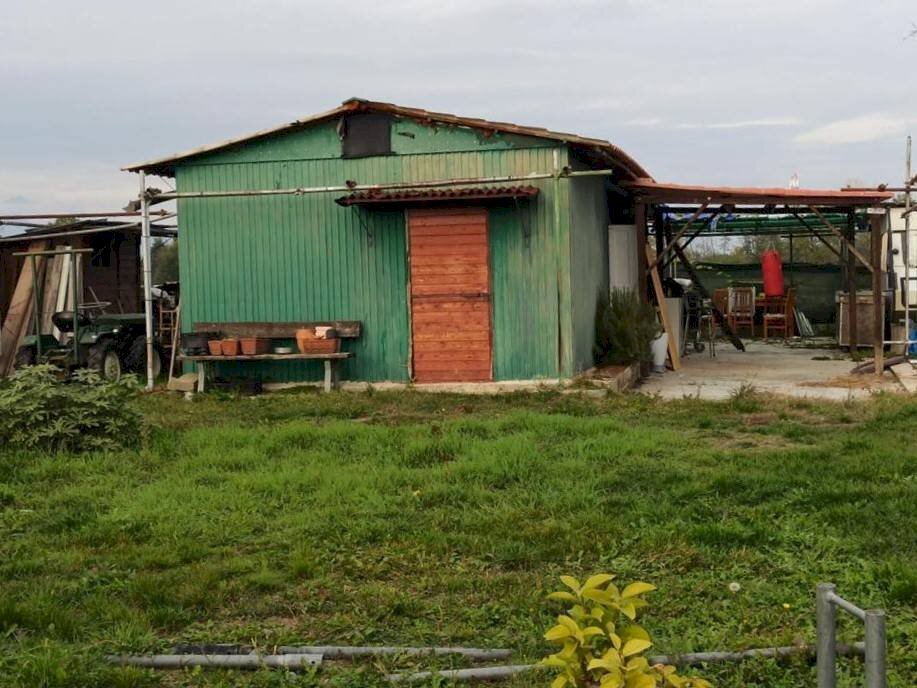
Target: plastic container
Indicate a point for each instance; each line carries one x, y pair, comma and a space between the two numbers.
772, 271
660, 349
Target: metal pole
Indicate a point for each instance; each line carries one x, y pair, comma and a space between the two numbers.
906, 249
147, 278
826, 622
875, 648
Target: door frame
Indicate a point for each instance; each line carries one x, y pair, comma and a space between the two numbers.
409, 302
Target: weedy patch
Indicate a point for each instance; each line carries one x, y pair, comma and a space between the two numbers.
289, 519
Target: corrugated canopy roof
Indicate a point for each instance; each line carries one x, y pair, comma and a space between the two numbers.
651, 191
606, 151
425, 196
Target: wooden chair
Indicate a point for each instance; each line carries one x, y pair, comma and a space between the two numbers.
782, 320
742, 308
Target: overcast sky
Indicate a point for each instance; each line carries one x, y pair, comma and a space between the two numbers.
707, 91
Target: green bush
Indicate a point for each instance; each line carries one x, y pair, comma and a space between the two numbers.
624, 328
41, 411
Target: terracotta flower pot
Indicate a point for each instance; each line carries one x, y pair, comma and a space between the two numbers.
214, 346
254, 346
230, 347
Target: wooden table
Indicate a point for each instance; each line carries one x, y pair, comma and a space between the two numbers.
331, 362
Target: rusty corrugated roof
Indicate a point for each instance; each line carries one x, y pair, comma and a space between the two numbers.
610, 153
660, 192
419, 196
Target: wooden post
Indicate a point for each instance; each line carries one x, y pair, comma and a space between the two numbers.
876, 230
852, 331
663, 311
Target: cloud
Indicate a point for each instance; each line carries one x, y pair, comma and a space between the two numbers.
862, 129
744, 124
19, 199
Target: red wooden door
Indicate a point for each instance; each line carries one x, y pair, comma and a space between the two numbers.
450, 295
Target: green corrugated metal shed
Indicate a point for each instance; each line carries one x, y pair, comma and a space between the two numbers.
293, 258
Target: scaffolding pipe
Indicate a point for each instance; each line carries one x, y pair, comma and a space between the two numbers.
147, 278
67, 216
906, 248
250, 661
394, 186
349, 652
77, 232
687, 659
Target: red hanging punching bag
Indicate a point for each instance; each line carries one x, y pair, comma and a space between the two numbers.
772, 270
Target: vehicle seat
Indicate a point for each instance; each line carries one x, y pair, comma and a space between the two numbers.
63, 320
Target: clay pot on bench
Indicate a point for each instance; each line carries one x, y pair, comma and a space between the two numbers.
214, 347
255, 346
229, 347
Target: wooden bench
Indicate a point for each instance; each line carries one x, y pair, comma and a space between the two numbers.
346, 329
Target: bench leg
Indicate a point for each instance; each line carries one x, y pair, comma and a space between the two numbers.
201, 376
329, 374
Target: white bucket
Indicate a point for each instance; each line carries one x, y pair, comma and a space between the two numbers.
660, 348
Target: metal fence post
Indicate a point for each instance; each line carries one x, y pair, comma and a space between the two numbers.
875, 648
826, 624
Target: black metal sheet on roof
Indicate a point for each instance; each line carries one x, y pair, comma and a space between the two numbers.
431, 196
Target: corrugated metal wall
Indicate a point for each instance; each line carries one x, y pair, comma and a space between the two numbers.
306, 258
589, 255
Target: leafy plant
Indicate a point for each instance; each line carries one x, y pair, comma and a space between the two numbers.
41, 411
601, 645
624, 328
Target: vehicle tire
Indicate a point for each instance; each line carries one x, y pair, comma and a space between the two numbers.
25, 356
136, 358
104, 359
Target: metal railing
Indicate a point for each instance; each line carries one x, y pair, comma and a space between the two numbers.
827, 603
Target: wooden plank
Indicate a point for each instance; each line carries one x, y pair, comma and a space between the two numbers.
470, 219
268, 357
16, 322
347, 329
663, 311
443, 305
50, 290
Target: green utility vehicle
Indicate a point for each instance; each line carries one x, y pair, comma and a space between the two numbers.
112, 344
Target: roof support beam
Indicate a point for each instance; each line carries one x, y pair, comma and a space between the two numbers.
834, 230
677, 237
817, 235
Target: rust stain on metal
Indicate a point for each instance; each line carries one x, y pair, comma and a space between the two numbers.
437, 195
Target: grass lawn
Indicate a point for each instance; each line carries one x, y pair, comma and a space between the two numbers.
408, 518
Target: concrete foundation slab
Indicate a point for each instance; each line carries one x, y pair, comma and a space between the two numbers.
773, 368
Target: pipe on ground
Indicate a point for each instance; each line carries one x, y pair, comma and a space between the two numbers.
688, 659
249, 661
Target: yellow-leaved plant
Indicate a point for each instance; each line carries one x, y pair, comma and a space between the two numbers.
601, 645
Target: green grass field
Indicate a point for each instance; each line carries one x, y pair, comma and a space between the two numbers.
408, 518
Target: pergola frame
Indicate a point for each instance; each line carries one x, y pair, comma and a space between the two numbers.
652, 198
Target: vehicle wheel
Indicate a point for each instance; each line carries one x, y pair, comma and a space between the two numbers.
136, 358
103, 358
24, 357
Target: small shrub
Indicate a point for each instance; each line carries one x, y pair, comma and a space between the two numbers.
624, 328
40, 411
602, 647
